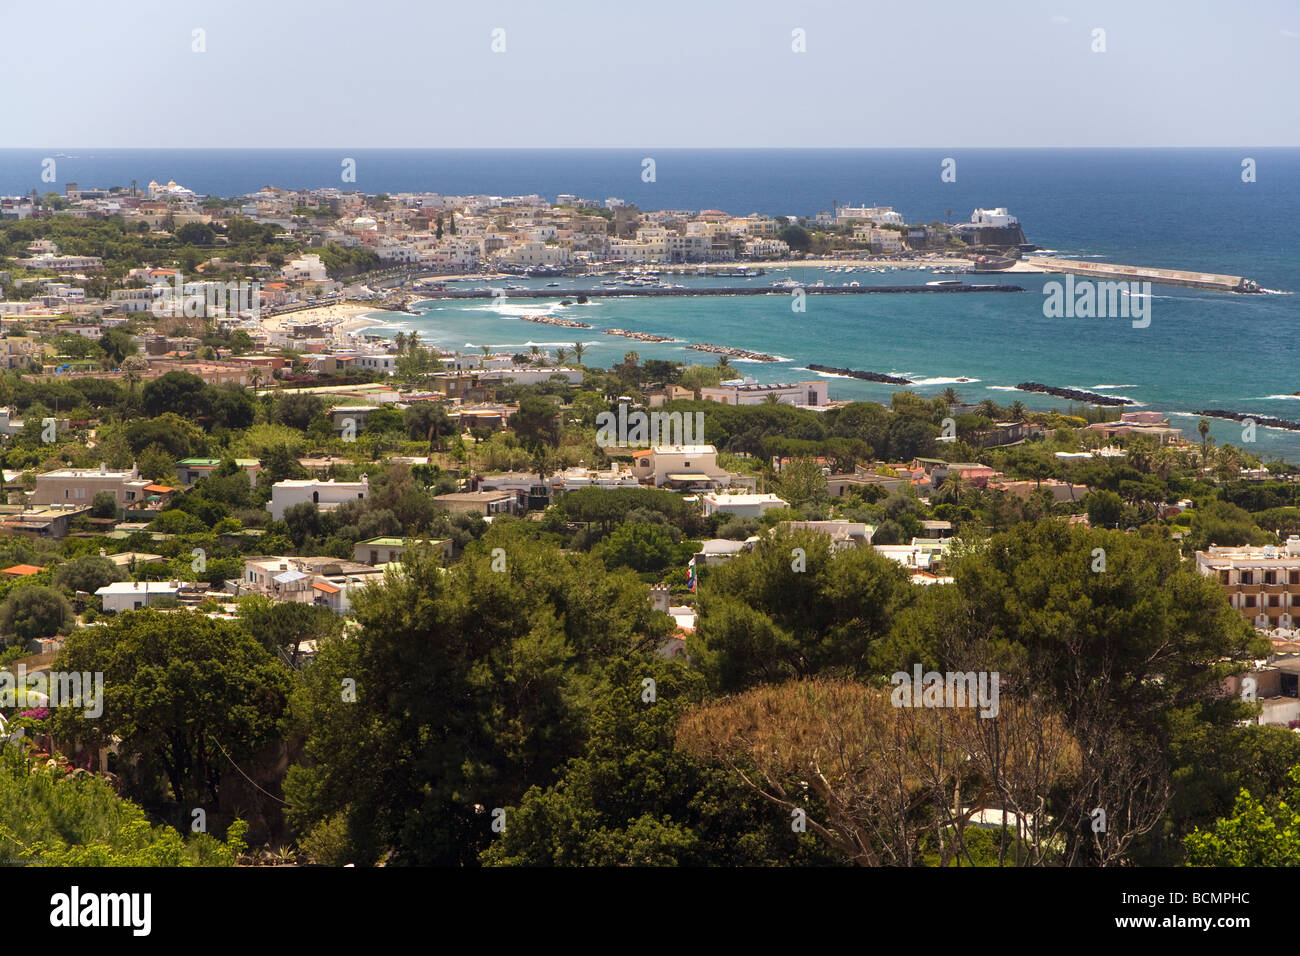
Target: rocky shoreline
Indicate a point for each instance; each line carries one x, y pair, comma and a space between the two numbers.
865, 376
1074, 394
552, 320
731, 352
640, 336
1257, 419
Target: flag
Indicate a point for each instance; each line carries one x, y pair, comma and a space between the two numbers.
690, 576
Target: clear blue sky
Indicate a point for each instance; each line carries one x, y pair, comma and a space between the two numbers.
640, 73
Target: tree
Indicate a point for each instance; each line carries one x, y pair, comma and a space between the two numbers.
32, 611
186, 693
50, 816
1254, 834
872, 779
578, 351
1203, 426
1105, 508
801, 482
87, 573
778, 612
104, 505
283, 627
298, 410
466, 683
536, 422
427, 421
634, 799
178, 392
1117, 630
117, 344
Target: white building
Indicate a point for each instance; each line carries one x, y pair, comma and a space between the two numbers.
308, 268
325, 495
749, 392
994, 218
680, 465
741, 505
134, 595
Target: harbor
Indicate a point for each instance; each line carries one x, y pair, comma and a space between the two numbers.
647, 291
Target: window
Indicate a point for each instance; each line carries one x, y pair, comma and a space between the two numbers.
1250, 601
1270, 577
1273, 600
1247, 577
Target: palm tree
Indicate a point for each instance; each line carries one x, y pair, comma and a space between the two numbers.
578, 349
487, 350
1203, 426
561, 355
1018, 411
723, 361
950, 396
535, 352
413, 342
400, 341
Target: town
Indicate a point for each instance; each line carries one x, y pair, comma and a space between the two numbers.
230, 492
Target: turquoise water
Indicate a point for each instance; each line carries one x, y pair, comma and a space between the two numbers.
1201, 350
1173, 208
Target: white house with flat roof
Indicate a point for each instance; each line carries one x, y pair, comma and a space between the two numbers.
134, 595
325, 495
741, 505
681, 465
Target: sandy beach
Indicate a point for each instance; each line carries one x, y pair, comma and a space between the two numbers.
339, 316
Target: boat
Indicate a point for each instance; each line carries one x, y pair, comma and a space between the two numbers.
945, 284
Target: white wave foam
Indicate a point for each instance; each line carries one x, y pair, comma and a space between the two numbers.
1002, 388
1097, 387
1276, 398
943, 381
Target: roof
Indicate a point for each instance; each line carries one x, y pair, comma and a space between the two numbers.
138, 587
159, 489
326, 587
288, 577
19, 570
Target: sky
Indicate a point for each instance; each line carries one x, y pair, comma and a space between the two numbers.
650, 73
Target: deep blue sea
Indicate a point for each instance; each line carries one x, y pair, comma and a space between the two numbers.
1173, 208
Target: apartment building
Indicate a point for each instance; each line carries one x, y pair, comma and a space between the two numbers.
1263, 583
81, 485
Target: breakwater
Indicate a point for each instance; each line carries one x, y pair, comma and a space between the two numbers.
1111, 270
855, 373
552, 320
650, 292
1257, 419
1074, 394
731, 352
640, 336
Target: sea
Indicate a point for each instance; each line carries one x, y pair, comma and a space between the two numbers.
1192, 209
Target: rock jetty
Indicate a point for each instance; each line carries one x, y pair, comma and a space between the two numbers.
640, 336
552, 320
731, 352
865, 376
1257, 419
1074, 394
